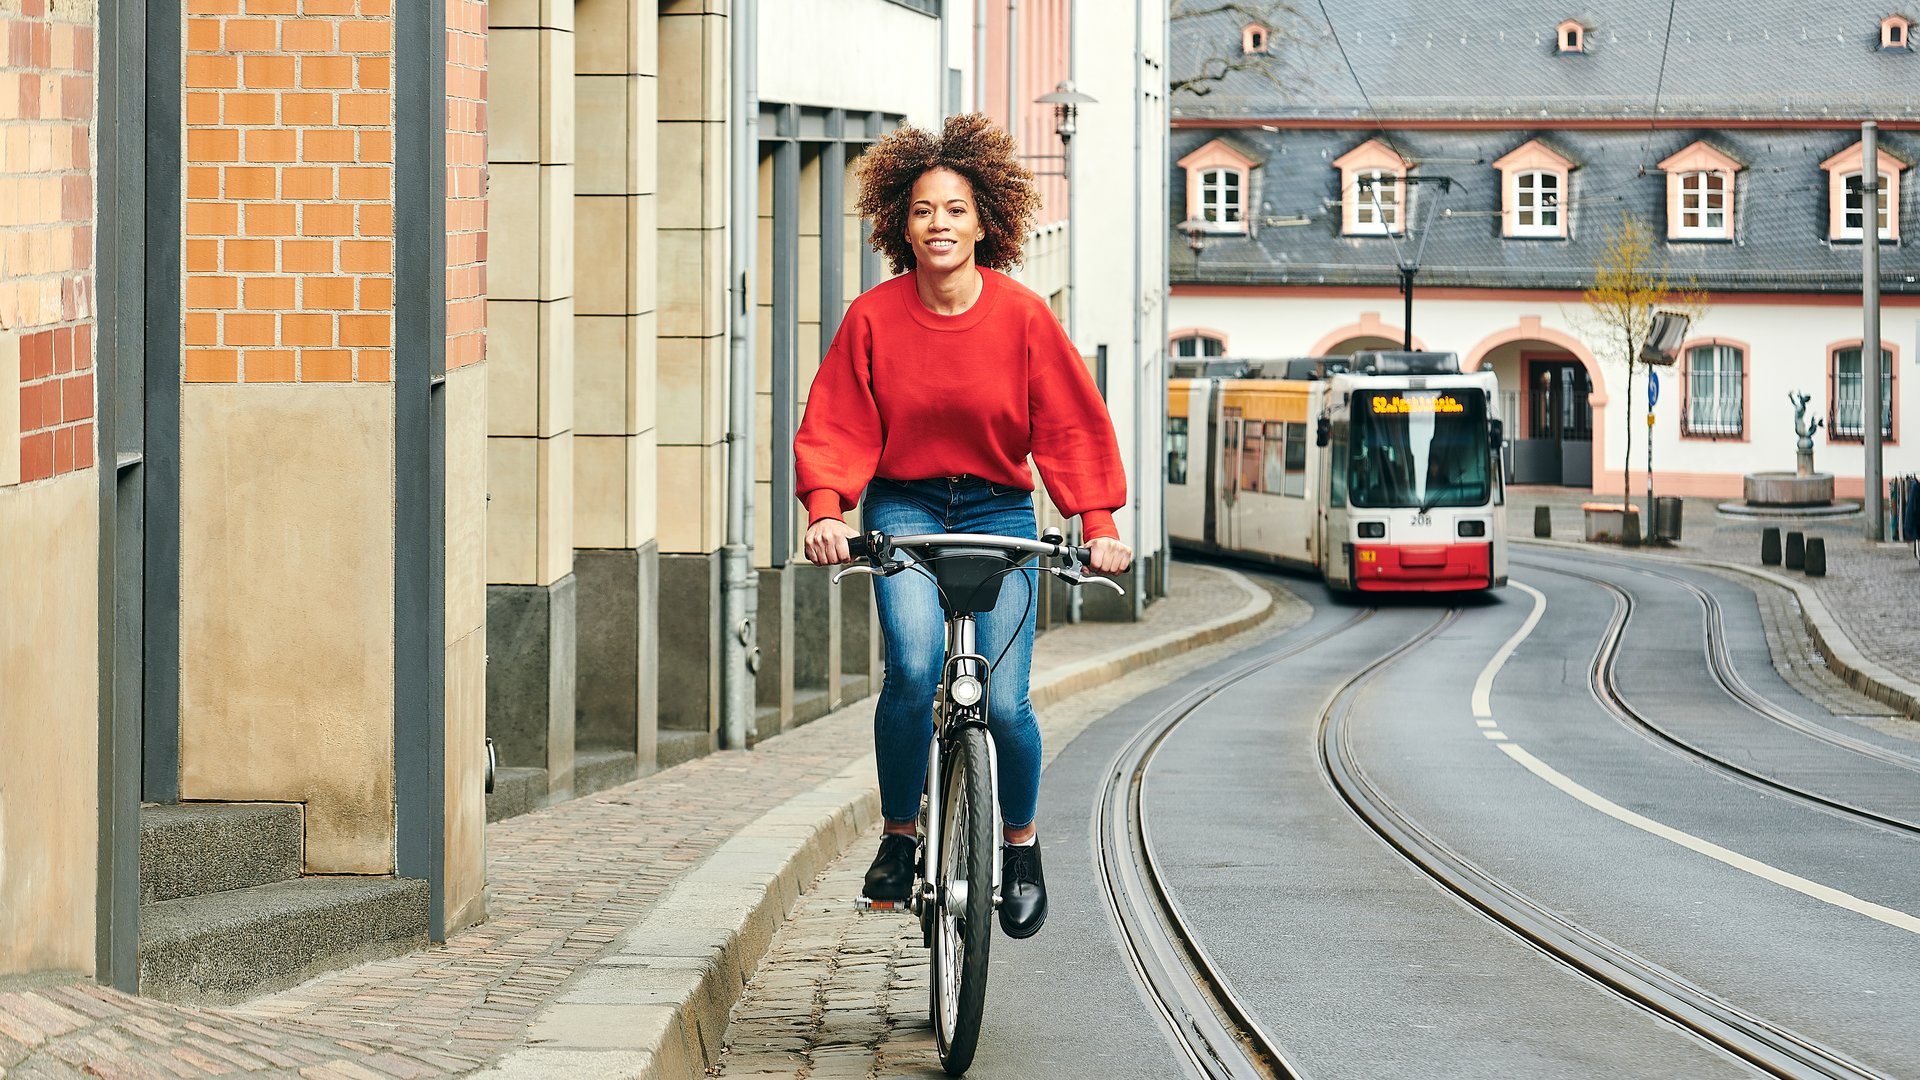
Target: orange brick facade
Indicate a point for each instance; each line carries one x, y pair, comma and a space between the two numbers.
466, 182
289, 191
46, 229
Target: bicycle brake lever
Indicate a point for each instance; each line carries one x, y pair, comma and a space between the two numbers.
887, 570
1083, 578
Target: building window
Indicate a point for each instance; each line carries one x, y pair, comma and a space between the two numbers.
1716, 389
1199, 345
1848, 387
1703, 204
1536, 204
1853, 213
1896, 33
1220, 196
1376, 202
1254, 38
1571, 37
1176, 449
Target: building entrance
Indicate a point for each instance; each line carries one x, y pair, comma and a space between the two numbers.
1557, 447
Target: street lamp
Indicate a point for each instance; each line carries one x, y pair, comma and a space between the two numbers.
1409, 267
1066, 102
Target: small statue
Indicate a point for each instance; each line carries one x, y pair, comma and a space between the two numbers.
1803, 457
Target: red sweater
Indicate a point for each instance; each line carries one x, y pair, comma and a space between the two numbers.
912, 395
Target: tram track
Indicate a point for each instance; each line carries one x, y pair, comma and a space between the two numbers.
1604, 681
1774, 1049
1215, 1030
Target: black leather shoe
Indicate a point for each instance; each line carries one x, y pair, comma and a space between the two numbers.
891, 875
1023, 891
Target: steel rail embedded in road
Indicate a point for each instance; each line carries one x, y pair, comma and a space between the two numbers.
1604, 680
1772, 1048
1220, 1037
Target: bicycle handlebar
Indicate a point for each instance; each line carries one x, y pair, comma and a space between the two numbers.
863, 546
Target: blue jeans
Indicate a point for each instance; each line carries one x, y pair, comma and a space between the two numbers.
914, 628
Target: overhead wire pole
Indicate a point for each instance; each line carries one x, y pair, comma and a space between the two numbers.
739, 592
1871, 402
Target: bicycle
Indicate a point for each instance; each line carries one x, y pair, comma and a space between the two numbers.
957, 866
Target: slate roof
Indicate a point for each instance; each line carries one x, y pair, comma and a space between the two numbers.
1495, 59
1780, 212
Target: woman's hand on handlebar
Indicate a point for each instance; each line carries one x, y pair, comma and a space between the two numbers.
1107, 555
826, 542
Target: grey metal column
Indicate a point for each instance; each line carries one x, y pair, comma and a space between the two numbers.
833, 226
419, 453
739, 592
786, 330
160, 696
1870, 399
120, 374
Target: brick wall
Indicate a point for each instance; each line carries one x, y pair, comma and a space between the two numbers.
466, 182
289, 189
46, 229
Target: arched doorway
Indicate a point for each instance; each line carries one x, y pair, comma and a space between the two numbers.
1368, 333
1552, 399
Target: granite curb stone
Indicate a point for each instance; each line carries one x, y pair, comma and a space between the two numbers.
1843, 656
657, 1006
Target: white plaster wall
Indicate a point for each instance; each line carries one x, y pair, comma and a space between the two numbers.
1108, 248
855, 54
1787, 351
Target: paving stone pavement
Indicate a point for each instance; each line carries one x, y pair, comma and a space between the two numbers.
564, 882
844, 996
1872, 589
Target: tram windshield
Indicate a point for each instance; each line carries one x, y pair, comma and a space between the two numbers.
1423, 448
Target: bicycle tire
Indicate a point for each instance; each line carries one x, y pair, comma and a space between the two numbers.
958, 982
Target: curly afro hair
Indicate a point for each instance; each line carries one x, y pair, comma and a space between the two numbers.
972, 146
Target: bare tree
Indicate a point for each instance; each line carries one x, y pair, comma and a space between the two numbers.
1227, 55
1627, 289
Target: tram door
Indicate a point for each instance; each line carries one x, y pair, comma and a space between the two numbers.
1227, 493
1558, 447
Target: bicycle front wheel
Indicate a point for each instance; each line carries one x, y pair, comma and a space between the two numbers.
963, 916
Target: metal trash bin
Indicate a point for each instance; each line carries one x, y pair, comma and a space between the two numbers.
1666, 518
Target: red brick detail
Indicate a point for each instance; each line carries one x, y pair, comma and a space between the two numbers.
46, 229
466, 182
289, 222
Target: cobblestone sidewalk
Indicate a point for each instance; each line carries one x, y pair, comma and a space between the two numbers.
564, 883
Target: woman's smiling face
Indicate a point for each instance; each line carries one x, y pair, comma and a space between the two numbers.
942, 223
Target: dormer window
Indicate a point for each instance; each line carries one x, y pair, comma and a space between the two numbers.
1570, 37
1220, 185
1534, 179
1373, 190
1700, 182
1896, 32
1847, 194
1254, 38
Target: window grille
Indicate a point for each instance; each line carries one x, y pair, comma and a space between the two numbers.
1847, 391
1715, 390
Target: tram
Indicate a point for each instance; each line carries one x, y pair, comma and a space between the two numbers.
1379, 471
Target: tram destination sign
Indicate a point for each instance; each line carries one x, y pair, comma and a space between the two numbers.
1402, 405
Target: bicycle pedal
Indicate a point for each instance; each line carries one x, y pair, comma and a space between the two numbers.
868, 906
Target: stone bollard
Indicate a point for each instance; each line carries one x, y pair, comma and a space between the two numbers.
1630, 528
1543, 522
1816, 556
1770, 546
1796, 551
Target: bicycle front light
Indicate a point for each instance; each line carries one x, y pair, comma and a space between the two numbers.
965, 691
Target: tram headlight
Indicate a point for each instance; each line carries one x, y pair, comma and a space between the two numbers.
965, 691
1372, 530
1472, 528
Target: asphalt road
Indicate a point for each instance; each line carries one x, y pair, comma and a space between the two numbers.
1361, 966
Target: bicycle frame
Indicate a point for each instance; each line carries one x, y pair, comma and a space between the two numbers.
962, 659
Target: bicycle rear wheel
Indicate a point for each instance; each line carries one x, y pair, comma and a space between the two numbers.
963, 915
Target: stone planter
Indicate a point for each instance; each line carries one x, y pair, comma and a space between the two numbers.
1610, 522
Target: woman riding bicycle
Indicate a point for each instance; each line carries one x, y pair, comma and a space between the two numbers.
939, 384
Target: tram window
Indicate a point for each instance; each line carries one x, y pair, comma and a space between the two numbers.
1296, 464
1250, 447
1176, 449
1337, 457
1272, 463
1420, 448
